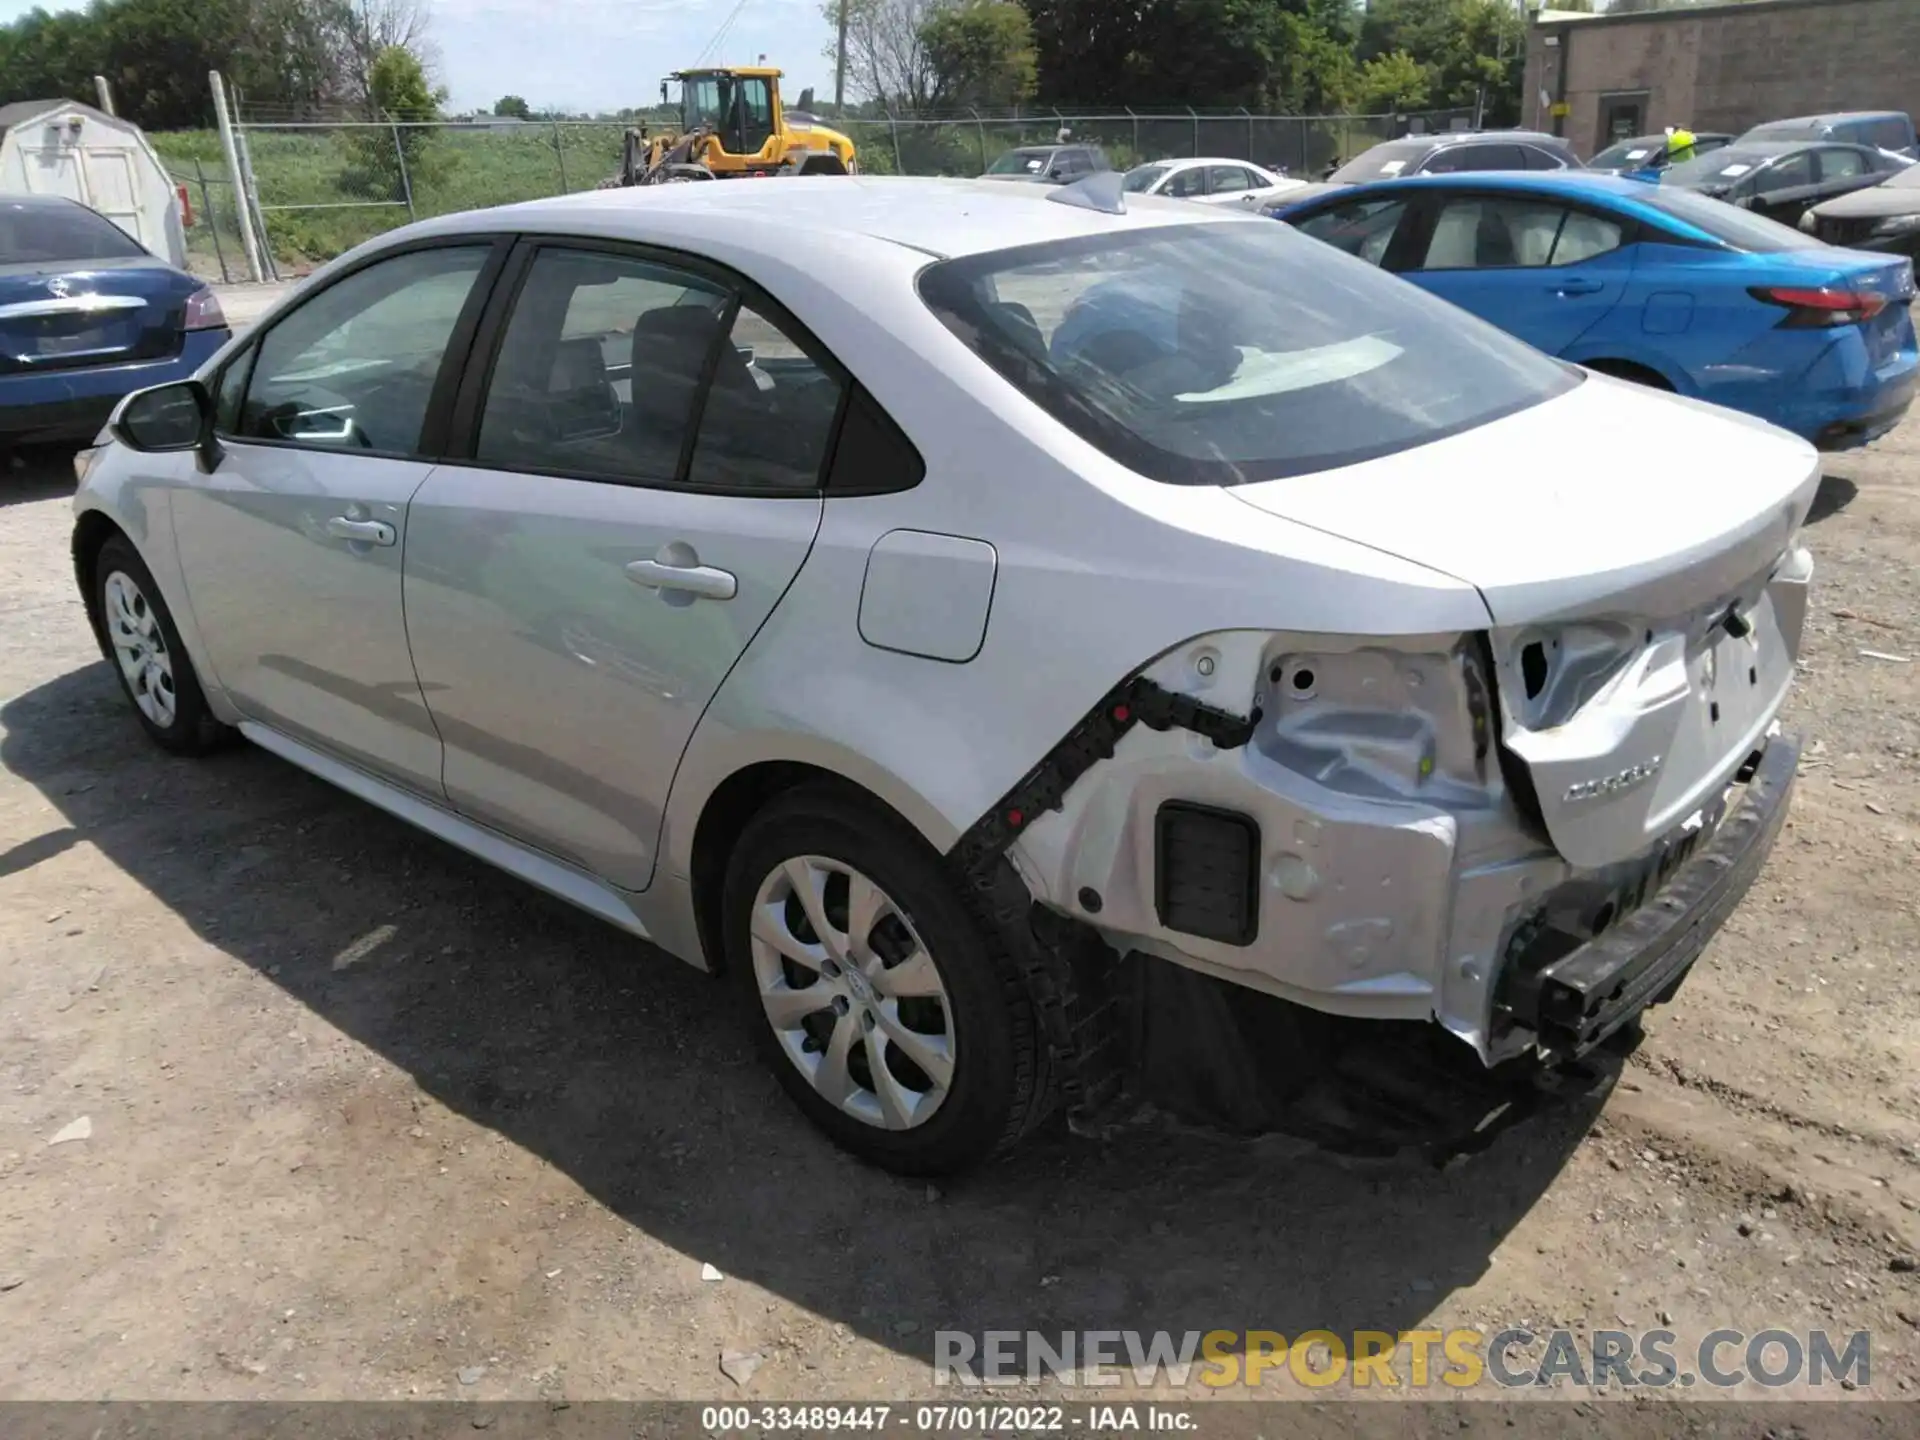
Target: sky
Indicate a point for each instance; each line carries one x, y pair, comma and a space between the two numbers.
600, 54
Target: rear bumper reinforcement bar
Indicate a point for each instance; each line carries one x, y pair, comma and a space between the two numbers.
1575, 1002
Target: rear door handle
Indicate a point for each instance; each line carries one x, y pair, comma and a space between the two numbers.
1577, 287
366, 532
704, 581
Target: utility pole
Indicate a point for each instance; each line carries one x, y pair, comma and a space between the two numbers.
840, 66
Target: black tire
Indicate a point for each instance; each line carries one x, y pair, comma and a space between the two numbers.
999, 1088
192, 729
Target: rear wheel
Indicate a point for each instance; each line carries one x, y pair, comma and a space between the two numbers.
144, 645
883, 1009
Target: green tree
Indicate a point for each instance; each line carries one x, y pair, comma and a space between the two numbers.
512, 106
979, 54
398, 88
1393, 82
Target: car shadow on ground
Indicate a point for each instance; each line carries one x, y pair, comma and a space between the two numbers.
632, 1074
1836, 492
35, 473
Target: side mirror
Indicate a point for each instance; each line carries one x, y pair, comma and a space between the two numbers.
165, 418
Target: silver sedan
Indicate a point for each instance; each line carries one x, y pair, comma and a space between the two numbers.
954, 612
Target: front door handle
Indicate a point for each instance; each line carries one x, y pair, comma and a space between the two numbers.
1577, 287
366, 532
704, 581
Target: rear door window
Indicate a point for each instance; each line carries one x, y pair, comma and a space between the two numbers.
1474, 232
638, 371
1838, 164
1538, 159
1227, 180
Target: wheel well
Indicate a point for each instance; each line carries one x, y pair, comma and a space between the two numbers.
91, 531
1631, 370
740, 797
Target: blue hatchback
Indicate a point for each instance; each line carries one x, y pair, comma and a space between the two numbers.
1654, 284
86, 317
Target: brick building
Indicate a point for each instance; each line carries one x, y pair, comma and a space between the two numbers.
1718, 66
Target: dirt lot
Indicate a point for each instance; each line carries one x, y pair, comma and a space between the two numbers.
367, 1120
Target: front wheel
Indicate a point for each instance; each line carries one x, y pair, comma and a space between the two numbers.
885, 1010
144, 645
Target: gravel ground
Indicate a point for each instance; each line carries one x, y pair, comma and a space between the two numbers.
366, 1120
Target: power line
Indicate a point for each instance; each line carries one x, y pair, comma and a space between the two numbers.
720, 35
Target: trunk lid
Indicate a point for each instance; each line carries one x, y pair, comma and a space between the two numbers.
1635, 553
56, 316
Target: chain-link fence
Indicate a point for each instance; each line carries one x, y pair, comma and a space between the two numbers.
215, 249
322, 187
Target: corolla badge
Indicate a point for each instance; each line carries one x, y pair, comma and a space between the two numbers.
59, 287
1614, 784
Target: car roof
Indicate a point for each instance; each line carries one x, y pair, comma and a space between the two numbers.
1661, 135
20, 201
938, 217
1573, 183
1834, 117
1465, 137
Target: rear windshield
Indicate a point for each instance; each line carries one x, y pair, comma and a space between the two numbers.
1020, 162
1742, 229
1382, 161
1787, 130
1225, 354
60, 232
1627, 154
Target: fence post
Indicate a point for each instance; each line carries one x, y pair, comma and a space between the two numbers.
1196, 131
400, 154
981, 126
213, 221
252, 193
560, 154
1136, 133
899, 163
231, 150
1249, 114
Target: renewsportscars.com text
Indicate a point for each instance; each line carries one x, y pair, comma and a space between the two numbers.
1411, 1359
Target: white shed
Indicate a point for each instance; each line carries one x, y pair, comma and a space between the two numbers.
61, 147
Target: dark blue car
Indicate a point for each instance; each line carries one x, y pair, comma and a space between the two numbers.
1651, 283
86, 317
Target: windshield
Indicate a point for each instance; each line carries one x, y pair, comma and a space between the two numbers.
60, 232
704, 102
1382, 161
1742, 229
1627, 155
1719, 170
1143, 178
1224, 354
1020, 162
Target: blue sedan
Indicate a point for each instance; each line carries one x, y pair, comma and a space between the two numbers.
1654, 284
86, 317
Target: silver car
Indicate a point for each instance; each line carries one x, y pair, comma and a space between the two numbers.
929, 603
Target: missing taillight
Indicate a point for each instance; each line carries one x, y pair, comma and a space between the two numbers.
1820, 308
1533, 669
204, 312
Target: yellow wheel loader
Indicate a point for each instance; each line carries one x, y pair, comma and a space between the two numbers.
732, 126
